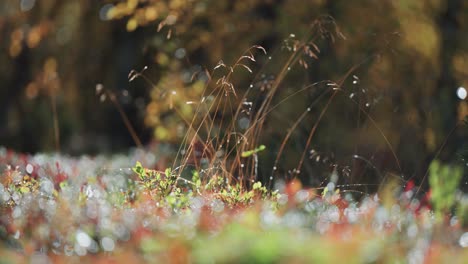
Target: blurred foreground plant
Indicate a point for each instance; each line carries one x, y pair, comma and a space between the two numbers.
444, 181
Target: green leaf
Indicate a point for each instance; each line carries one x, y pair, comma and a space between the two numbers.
138, 169
168, 172
249, 153
325, 191
257, 185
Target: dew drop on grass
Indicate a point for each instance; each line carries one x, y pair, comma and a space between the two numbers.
29, 168
47, 186
333, 214
462, 93
454, 221
27, 5
412, 231
244, 123
107, 244
463, 241
6, 196
16, 197
79, 250
283, 199
351, 214
83, 239
301, 196
289, 68
322, 226
196, 203
217, 205
180, 53
103, 12
351, 96
17, 212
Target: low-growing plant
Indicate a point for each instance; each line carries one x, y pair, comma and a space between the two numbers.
166, 186
444, 181
161, 182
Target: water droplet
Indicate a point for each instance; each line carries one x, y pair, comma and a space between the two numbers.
47, 186
351, 214
301, 196
244, 123
333, 214
17, 212
308, 109
461, 93
27, 5
274, 168
104, 11
242, 165
17, 234
463, 241
289, 68
29, 168
367, 104
351, 95
94, 248
283, 199
79, 250
180, 53
412, 231
269, 58
454, 221
83, 239
107, 244
217, 205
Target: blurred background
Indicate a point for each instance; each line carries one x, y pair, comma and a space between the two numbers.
61, 60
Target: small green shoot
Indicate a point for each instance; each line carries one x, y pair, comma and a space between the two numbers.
249, 153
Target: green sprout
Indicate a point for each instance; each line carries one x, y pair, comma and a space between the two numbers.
249, 153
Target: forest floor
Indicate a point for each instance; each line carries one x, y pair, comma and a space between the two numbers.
113, 209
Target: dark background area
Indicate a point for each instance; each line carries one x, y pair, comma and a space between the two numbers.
412, 57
